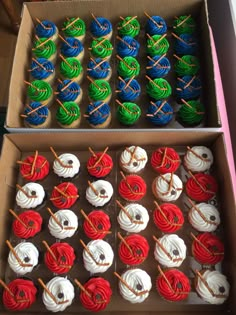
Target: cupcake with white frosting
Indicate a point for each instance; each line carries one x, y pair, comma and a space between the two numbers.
67, 165
30, 196
133, 159
135, 286
98, 256
99, 193
167, 187
64, 224
198, 159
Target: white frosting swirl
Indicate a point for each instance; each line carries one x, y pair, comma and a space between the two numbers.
69, 160
206, 219
218, 284
133, 159
63, 291
161, 187
138, 213
36, 195
68, 221
174, 246
139, 281
102, 254
104, 193
196, 164
28, 255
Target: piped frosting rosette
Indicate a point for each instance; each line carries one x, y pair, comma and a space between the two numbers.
198, 159
67, 165
167, 187
28, 224
34, 167
63, 224
64, 195
96, 224
99, 193
133, 159
30, 195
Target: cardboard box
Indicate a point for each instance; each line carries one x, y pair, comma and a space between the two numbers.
16, 146
57, 11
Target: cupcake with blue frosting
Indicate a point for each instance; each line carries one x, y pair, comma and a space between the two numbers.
188, 87
72, 47
158, 67
185, 44
46, 29
101, 27
99, 68
98, 114
128, 90
156, 25
42, 69
127, 46
69, 91
159, 113
36, 115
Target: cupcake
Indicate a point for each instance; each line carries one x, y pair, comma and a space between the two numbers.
68, 115
185, 44
37, 115
158, 67
127, 46
170, 250
66, 165
101, 27
191, 113
198, 159
42, 69
99, 90
74, 27
99, 69
133, 159
45, 48
129, 26
96, 225
165, 160
40, 91
98, 114
101, 48
158, 88
99, 164
187, 65
128, 90
133, 249
27, 224
46, 29
30, 196
184, 25
69, 91
72, 47
63, 224
160, 113
167, 187
71, 68
99, 193
98, 256
64, 195
128, 67
188, 87
155, 25
128, 113
132, 187
157, 45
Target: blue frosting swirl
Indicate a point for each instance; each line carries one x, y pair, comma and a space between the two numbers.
131, 92
98, 116
188, 87
39, 116
161, 117
73, 48
101, 72
188, 46
70, 93
130, 49
98, 31
41, 73
158, 27
160, 70
47, 31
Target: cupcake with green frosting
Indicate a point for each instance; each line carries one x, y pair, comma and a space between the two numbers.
99, 90
184, 24
128, 67
68, 115
128, 113
40, 91
157, 45
74, 27
158, 89
129, 26
71, 68
101, 48
187, 65
45, 48
191, 113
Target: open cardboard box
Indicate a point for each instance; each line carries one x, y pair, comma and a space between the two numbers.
16, 146
57, 12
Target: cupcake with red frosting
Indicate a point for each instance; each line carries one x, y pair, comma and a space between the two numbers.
97, 294
97, 224
132, 187
99, 164
165, 160
64, 195
27, 225
207, 249
201, 187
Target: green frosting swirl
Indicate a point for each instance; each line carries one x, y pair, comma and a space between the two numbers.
101, 47
158, 89
128, 113
191, 113
99, 90
131, 28
184, 25
187, 65
76, 29
157, 46
72, 114
128, 67
39, 91
45, 50
71, 68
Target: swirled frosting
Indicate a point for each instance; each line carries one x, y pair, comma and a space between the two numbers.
46, 50
98, 72
72, 113
128, 90
186, 44
170, 251
34, 167
99, 90
132, 188
129, 26
68, 166
63, 291
128, 114
68, 224
156, 25
45, 29
158, 69
156, 45
37, 117
100, 164
32, 196
41, 72
28, 255
184, 25
39, 91
72, 47
71, 68
198, 159
188, 87
100, 226
158, 89
187, 65
100, 193
160, 113
101, 27
167, 187
100, 256
33, 223
140, 283
133, 159
98, 116
64, 195
128, 67
191, 113
69, 94
101, 48
74, 27
165, 160
128, 46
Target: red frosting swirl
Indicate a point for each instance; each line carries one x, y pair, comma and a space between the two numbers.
40, 168
165, 160
100, 225
64, 195
63, 260
168, 217
136, 251
208, 249
201, 187
175, 286
33, 223
132, 188
99, 165
24, 295
100, 294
